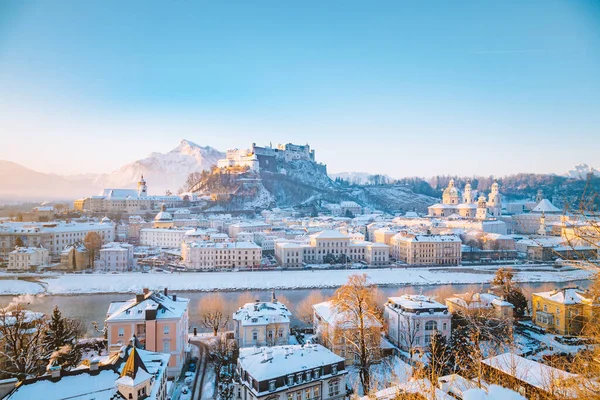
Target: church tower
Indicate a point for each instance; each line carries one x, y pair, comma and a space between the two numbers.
142, 188
468, 193
540, 196
542, 230
481, 208
451, 194
495, 200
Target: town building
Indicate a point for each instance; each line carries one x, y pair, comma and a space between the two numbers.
466, 206
28, 258
412, 320
483, 304
159, 322
54, 236
168, 238
203, 255
250, 227
262, 323
309, 372
418, 249
116, 256
75, 258
244, 158
350, 207
331, 327
130, 201
564, 311
131, 373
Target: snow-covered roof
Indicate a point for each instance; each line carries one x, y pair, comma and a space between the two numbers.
570, 295
119, 193
428, 238
263, 313
165, 306
534, 373
330, 234
285, 360
546, 206
416, 302
329, 313
412, 387
478, 301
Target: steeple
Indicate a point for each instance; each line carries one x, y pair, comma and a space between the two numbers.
142, 188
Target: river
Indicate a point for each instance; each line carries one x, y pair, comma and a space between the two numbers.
92, 307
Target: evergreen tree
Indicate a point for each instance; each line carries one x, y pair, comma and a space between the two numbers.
504, 286
19, 242
441, 358
59, 341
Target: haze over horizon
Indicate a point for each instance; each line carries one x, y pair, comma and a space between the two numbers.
508, 87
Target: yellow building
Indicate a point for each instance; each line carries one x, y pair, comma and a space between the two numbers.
564, 311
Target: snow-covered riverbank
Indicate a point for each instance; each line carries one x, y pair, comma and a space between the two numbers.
66, 284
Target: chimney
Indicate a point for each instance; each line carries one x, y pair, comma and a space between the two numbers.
146, 290
139, 297
94, 364
166, 292
174, 297
54, 370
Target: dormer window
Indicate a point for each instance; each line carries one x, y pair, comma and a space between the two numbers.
271, 386
334, 369
290, 380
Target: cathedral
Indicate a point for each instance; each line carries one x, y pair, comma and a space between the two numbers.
465, 205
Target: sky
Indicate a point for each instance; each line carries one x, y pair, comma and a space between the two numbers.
401, 87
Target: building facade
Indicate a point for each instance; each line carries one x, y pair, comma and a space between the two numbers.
564, 311
27, 258
412, 320
159, 322
309, 372
415, 249
203, 255
262, 324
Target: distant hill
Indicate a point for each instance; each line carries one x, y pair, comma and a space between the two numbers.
582, 171
362, 178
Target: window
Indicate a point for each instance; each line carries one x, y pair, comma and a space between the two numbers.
431, 326
255, 335
316, 374
271, 386
299, 395
307, 393
308, 376
121, 331
334, 369
316, 392
166, 346
445, 325
299, 378
334, 387
166, 329
290, 396
290, 380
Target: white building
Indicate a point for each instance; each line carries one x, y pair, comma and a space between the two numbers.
309, 372
467, 206
54, 236
254, 226
116, 257
26, 258
427, 249
131, 373
262, 324
210, 255
239, 158
413, 319
351, 207
162, 237
129, 201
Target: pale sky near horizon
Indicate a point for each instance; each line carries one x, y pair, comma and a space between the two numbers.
401, 87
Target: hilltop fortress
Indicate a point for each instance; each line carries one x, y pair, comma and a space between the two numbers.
268, 158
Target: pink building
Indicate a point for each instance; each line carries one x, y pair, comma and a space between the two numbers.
159, 322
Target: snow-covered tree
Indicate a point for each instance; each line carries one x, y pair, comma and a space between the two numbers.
60, 341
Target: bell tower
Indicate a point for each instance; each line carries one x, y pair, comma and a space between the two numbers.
142, 188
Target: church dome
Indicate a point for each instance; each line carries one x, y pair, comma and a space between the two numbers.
163, 215
105, 220
451, 190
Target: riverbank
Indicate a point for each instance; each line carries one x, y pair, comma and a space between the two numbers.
76, 284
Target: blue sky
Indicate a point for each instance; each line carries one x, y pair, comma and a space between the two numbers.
401, 87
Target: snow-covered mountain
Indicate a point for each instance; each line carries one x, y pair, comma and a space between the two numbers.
581, 171
359, 178
163, 171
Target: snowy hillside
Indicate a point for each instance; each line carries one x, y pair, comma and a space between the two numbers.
581, 171
164, 171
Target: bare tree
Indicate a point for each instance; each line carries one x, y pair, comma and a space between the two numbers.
215, 313
21, 345
359, 325
304, 310
93, 243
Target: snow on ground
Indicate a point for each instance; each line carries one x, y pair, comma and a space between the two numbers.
16, 287
246, 280
390, 371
